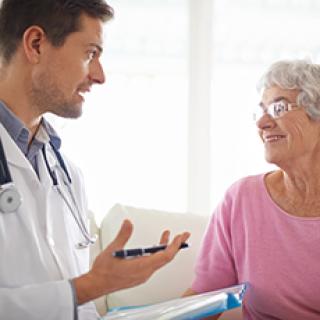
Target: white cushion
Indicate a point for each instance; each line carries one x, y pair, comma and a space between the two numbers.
94, 251
172, 280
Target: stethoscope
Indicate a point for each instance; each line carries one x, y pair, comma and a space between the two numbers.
10, 198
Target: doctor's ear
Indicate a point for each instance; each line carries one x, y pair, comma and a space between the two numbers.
33, 39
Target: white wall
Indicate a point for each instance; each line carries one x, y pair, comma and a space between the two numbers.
172, 127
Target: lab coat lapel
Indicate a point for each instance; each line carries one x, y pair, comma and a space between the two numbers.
13, 153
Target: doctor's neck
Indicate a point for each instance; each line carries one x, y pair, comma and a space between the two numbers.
15, 94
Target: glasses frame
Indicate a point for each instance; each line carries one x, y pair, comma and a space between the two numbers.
270, 109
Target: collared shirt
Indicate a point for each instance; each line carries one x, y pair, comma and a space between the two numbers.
20, 135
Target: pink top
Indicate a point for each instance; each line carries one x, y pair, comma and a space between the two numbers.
250, 239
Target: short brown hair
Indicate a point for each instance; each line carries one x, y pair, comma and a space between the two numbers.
58, 18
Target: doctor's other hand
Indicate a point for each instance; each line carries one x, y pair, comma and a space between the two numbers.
109, 274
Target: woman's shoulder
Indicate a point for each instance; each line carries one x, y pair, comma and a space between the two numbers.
243, 196
246, 184
244, 188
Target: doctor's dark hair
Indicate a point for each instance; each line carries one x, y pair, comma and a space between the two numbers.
301, 75
58, 18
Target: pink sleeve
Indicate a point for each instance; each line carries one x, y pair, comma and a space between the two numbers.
215, 264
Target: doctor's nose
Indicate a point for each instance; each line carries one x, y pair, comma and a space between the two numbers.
96, 73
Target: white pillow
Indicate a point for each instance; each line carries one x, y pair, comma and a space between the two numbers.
172, 280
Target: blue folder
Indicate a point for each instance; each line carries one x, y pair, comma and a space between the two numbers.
188, 308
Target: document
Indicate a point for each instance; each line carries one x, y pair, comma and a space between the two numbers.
193, 307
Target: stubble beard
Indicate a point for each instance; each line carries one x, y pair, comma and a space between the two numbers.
47, 96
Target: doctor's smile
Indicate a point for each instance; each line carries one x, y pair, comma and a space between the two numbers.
50, 57
83, 92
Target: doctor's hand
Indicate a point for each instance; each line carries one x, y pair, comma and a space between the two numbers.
109, 274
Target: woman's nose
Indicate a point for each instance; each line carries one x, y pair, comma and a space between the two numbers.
265, 121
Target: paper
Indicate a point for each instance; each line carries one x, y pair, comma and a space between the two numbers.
193, 307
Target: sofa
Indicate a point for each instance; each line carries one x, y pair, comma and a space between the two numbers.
170, 281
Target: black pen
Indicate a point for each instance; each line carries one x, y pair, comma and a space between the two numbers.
143, 251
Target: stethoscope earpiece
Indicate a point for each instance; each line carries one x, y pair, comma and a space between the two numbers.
87, 242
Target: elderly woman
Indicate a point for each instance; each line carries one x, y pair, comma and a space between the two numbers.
266, 231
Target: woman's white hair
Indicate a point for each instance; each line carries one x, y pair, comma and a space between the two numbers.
302, 75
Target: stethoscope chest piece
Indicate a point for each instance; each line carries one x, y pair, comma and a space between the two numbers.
10, 199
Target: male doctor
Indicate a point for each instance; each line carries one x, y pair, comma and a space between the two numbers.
49, 57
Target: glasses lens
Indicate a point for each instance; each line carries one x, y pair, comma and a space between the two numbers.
277, 109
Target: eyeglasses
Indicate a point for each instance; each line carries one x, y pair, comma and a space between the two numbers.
275, 109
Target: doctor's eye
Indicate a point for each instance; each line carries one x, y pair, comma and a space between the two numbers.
91, 54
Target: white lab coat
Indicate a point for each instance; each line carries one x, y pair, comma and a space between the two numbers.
37, 244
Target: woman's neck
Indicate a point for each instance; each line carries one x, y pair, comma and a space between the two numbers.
297, 194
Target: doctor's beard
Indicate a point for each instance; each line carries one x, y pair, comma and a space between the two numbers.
47, 96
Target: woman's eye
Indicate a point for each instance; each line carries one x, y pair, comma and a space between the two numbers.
279, 108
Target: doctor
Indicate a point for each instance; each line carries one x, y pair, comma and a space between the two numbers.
49, 58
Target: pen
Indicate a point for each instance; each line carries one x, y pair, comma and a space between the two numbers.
143, 251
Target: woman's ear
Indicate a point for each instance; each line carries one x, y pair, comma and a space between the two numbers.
33, 39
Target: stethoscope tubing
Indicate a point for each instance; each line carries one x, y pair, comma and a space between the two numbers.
77, 217
67, 182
